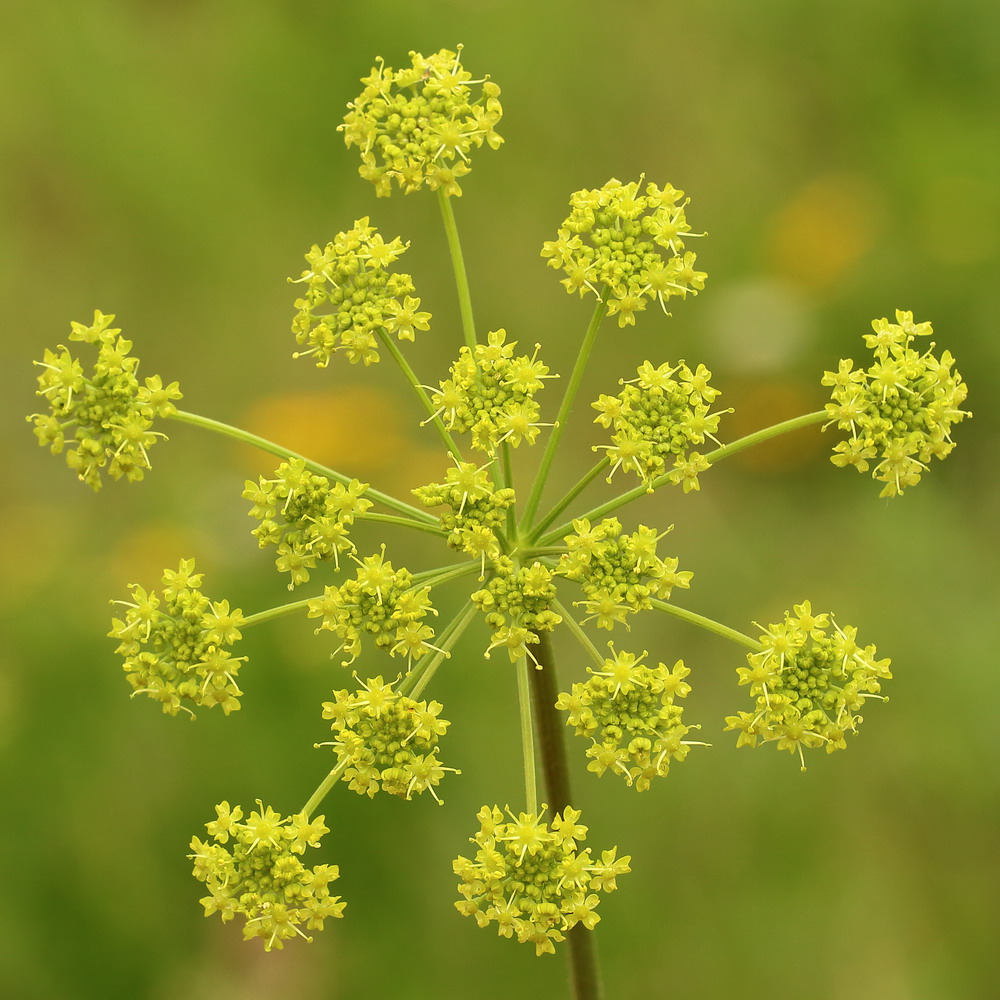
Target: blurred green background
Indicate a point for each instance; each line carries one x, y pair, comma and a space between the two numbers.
172, 161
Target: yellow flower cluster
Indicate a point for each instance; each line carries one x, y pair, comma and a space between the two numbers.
477, 509
174, 644
352, 299
661, 414
810, 682
382, 601
261, 877
629, 243
618, 573
517, 604
305, 517
386, 741
900, 410
628, 712
491, 394
103, 420
417, 126
531, 879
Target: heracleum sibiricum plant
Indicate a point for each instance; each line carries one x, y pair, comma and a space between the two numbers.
626, 246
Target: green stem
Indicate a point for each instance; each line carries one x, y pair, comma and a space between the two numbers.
458, 265
577, 629
324, 787
414, 683
508, 481
527, 735
278, 612
445, 574
567, 402
238, 434
545, 688
806, 420
406, 522
706, 623
546, 550
587, 479
425, 400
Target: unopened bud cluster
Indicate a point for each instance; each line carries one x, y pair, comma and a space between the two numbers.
661, 415
618, 573
810, 682
630, 243
260, 875
352, 298
305, 517
102, 421
386, 741
175, 644
382, 601
628, 712
417, 126
901, 409
531, 878
491, 394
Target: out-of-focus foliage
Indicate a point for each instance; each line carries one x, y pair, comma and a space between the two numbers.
170, 162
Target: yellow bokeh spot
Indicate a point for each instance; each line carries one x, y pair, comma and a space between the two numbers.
143, 554
358, 430
769, 401
354, 428
824, 231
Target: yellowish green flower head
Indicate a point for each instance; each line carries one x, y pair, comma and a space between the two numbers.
306, 517
260, 875
386, 741
901, 409
618, 573
102, 421
810, 683
382, 601
517, 605
628, 712
660, 416
175, 644
352, 299
532, 879
627, 242
491, 394
477, 510
418, 126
